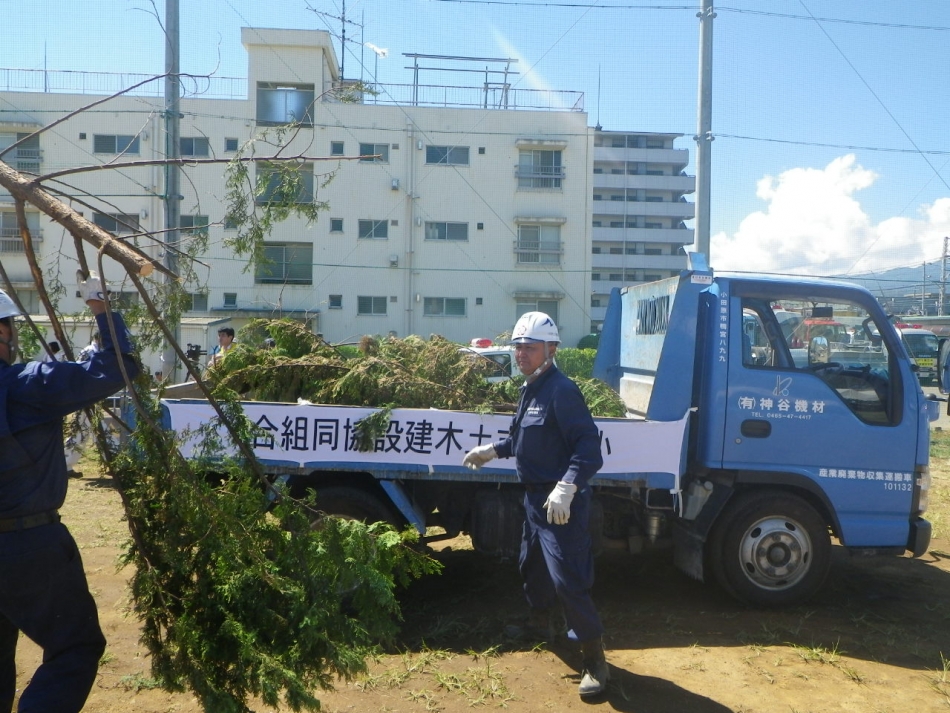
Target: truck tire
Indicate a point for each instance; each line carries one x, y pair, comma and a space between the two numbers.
770, 549
352, 504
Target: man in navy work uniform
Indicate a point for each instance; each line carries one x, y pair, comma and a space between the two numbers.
556, 446
43, 589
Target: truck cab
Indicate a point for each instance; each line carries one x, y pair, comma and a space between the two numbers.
798, 433
924, 349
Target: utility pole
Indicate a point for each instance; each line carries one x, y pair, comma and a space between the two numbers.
704, 135
172, 195
943, 278
923, 292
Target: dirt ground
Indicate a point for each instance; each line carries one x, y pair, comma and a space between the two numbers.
877, 639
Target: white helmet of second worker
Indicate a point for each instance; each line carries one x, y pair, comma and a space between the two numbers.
8, 307
535, 327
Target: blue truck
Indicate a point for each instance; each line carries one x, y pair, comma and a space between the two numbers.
745, 463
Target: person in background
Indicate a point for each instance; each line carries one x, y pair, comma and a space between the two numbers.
225, 342
43, 588
556, 446
55, 352
85, 354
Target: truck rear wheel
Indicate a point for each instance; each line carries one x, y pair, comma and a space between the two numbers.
352, 504
770, 549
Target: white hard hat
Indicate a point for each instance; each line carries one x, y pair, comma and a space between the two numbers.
535, 327
8, 307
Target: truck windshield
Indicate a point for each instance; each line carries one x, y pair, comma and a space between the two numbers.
922, 345
854, 359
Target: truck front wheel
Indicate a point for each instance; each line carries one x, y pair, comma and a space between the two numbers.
770, 549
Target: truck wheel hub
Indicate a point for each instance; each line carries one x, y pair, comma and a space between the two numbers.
775, 553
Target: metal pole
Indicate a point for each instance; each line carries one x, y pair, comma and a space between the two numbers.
923, 292
704, 135
172, 152
943, 279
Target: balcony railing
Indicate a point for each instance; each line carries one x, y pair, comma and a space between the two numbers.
536, 252
10, 241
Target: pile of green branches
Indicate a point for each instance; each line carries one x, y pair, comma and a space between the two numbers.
384, 372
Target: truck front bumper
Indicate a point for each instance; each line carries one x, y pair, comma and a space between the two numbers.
918, 541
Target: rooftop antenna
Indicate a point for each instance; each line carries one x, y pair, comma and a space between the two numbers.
598, 127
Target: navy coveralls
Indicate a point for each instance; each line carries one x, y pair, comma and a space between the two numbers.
43, 589
552, 438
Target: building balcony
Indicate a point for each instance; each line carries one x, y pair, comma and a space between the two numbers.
676, 184
682, 210
533, 252
10, 241
675, 157
602, 262
683, 236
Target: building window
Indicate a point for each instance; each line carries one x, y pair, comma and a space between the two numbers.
10, 240
374, 229
616, 198
194, 146
193, 224
375, 306
336, 225
539, 244
446, 231
336, 148
230, 145
230, 300
595, 251
595, 277
654, 143
336, 302
230, 223
443, 307
616, 224
279, 104
615, 277
654, 199
374, 153
539, 169
596, 224
123, 300
647, 277
616, 251
447, 155
115, 144
286, 182
595, 302
27, 156
549, 307
652, 251
653, 225
598, 170
285, 264
117, 223
478, 301
199, 302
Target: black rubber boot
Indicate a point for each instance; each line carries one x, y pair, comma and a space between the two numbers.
595, 674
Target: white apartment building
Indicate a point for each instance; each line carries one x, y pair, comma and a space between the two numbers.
450, 210
639, 208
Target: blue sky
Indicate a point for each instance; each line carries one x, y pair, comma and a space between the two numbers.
832, 150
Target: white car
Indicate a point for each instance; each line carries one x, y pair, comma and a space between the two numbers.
501, 357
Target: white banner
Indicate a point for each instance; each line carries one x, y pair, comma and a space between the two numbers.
314, 435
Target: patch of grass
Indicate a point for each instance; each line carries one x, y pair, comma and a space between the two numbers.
138, 682
940, 679
817, 654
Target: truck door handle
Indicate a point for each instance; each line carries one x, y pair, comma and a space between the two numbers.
756, 429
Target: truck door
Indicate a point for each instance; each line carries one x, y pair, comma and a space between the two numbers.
837, 419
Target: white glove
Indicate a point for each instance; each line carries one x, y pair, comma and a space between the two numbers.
91, 288
558, 503
479, 456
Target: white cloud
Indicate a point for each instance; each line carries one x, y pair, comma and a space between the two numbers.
814, 224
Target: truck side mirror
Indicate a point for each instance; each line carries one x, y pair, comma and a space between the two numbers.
818, 351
